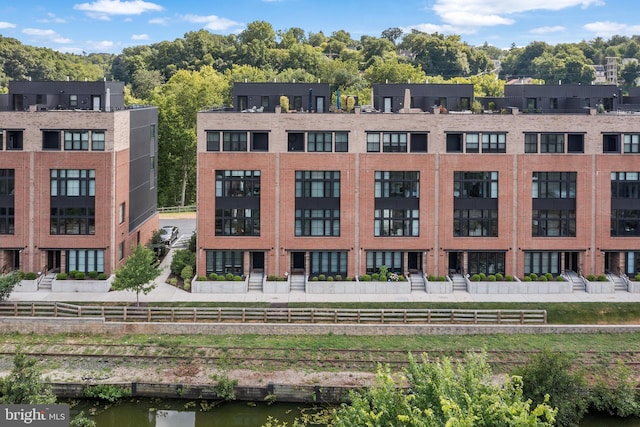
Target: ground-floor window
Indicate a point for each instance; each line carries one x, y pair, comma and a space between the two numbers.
393, 260
486, 262
632, 263
223, 262
542, 263
85, 260
329, 263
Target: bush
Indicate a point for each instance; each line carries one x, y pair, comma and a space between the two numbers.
508, 278
483, 276
491, 278
213, 277
109, 392
349, 279
441, 279
591, 277
272, 278
173, 281
229, 277
202, 278
542, 278
602, 278
527, 278
339, 277
322, 277
314, 279
93, 274
559, 278
401, 278
79, 275
549, 276
533, 276
475, 278
382, 277
366, 278
30, 275
186, 274
638, 276
375, 277
182, 258
330, 279
103, 276
237, 278
499, 276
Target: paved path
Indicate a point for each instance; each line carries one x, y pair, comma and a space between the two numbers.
164, 292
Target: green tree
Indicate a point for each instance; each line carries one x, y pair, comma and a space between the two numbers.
7, 283
392, 34
24, 383
443, 393
550, 374
81, 420
630, 74
392, 71
137, 273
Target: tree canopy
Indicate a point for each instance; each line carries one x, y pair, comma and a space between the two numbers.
137, 273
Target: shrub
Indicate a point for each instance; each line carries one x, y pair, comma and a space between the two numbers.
79, 275
431, 278
499, 277
591, 277
441, 279
475, 278
349, 279
382, 277
527, 278
314, 279
214, 277
559, 278
339, 277
491, 278
61, 276
173, 281
109, 392
483, 276
102, 276
284, 103
187, 286
229, 277
549, 276
602, 278
30, 275
375, 277
638, 276
182, 258
186, 273
322, 277
508, 278
237, 278
93, 274
542, 278
202, 278
366, 278
401, 278
330, 279
272, 278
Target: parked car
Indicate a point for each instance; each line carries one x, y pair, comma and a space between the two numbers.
168, 234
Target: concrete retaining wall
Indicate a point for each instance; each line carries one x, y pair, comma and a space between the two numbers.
279, 392
219, 287
44, 325
518, 287
86, 285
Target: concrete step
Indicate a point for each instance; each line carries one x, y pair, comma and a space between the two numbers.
297, 283
417, 282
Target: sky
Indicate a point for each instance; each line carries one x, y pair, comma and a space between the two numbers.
108, 26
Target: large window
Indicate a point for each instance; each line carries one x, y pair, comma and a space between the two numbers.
318, 184
97, 141
530, 142
475, 185
396, 222
611, 143
328, 263
224, 262
342, 142
542, 263
625, 204
14, 140
7, 212
73, 182
237, 222
554, 222
237, 202
78, 220
85, 260
393, 260
213, 141
72, 201
238, 183
475, 222
373, 142
234, 141
397, 184
486, 262
554, 185
494, 143
317, 222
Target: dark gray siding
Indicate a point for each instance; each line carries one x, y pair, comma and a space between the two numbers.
143, 178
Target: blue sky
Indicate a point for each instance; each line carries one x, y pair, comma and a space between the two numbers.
111, 25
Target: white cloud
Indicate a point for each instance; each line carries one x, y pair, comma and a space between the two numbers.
46, 34
4, 25
159, 21
608, 28
102, 9
52, 18
100, 46
462, 14
547, 30
140, 37
212, 22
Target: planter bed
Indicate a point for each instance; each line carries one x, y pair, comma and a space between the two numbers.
357, 287
219, 287
85, 285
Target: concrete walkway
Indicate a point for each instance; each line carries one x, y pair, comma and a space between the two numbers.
166, 293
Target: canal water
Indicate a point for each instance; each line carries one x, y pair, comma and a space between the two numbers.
183, 413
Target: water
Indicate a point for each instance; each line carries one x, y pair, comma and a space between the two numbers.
184, 413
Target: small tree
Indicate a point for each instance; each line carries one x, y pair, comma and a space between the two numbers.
137, 273
24, 384
7, 283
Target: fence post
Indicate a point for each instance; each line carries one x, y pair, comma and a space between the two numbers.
335, 316
313, 312
475, 317
55, 309
33, 310
545, 316
15, 309
522, 317
124, 314
405, 316
499, 316
195, 314
288, 315
429, 316
453, 316
79, 311
173, 314
148, 314
265, 315
381, 316
244, 315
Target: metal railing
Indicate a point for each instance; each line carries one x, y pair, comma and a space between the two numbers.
177, 209
273, 315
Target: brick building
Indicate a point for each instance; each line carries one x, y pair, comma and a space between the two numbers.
77, 176
544, 191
